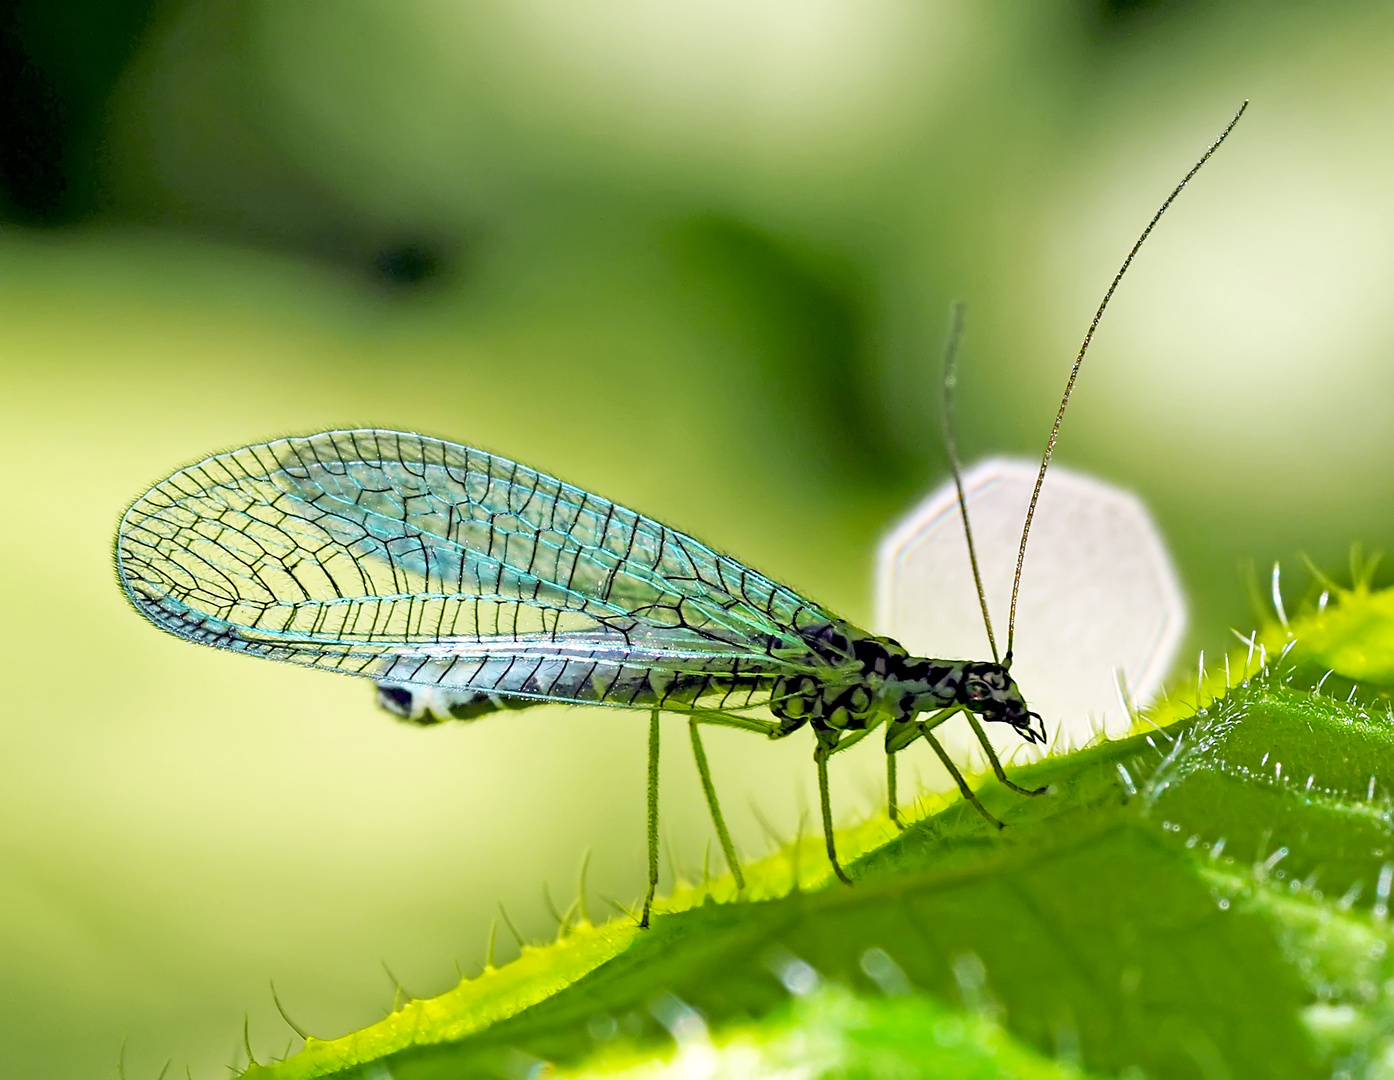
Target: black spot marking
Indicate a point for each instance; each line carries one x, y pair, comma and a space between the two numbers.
829, 640
397, 700
878, 656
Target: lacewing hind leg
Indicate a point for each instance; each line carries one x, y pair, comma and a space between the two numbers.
653, 817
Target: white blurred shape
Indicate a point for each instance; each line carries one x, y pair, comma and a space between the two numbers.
442, 103
772, 71
1099, 593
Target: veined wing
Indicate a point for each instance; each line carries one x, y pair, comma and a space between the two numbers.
423, 562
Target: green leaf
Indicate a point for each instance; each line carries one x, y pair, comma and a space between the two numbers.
1208, 898
833, 1033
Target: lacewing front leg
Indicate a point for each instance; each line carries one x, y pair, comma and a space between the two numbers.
996, 762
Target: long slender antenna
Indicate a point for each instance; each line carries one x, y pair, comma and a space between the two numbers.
950, 429
1079, 359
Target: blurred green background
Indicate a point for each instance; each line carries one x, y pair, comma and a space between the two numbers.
694, 256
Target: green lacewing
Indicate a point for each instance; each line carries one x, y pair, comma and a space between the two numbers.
463, 583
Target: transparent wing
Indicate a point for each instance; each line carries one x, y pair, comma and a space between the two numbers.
420, 562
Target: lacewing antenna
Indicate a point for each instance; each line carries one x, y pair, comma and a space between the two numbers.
950, 430
1079, 359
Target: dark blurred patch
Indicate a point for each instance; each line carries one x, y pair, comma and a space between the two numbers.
33, 119
807, 317
1112, 19
411, 264
59, 60
1122, 10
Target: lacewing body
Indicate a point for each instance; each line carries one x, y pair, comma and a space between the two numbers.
451, 576
463, 583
